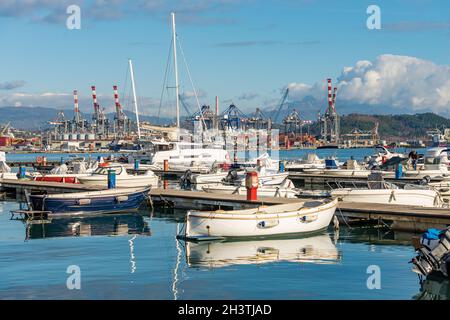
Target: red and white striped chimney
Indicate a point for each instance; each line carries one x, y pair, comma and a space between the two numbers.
330, 97
116, 100
334, 98
94, 98
75, 101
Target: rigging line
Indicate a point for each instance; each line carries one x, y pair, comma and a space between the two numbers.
122, 94
192, 83
165, 80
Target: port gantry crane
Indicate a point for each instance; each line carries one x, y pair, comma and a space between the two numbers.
282, 103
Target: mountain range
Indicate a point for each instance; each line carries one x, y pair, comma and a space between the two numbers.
362, 117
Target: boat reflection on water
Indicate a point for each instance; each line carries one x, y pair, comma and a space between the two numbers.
86, 226
434, 288
315, 249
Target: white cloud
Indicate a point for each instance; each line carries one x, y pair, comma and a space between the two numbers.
392, 80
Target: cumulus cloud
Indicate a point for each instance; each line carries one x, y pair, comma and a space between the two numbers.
393, 80
11, 85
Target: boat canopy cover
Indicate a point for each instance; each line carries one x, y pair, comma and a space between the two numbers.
62, 169
432, 234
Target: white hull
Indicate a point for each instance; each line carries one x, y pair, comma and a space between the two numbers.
8, 176
316, 249
293, 218
122, 182
262, 192
209, 178
421, 198
419, 174
347, 173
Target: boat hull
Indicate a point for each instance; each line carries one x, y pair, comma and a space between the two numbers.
421, 198
128, 182
317, 249
262, 192
95, 203
263, 223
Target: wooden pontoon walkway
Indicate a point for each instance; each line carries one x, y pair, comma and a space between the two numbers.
398, 217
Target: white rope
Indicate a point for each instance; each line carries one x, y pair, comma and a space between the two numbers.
192, 83
165, 80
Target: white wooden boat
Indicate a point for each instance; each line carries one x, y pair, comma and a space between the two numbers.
409, 197
123, 179
314, 249
291, 218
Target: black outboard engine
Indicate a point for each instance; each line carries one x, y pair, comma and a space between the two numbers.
231, 177
186, 179
425, 180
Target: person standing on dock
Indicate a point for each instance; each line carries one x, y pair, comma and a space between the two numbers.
413, 158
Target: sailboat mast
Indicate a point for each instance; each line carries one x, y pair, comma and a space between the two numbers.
134, 98
174, 45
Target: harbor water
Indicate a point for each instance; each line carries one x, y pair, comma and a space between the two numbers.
137, 256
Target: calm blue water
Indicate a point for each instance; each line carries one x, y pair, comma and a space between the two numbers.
136, 256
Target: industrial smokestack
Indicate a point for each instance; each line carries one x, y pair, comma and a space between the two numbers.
76, 108
334, 98
94, 99
117, 103
330, 97
217, 105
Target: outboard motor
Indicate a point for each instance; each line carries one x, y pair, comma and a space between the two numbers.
425, 180
186, 179
231, 177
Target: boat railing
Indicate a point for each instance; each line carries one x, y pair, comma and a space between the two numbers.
372, 185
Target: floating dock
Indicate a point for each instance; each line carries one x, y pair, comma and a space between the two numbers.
397, 217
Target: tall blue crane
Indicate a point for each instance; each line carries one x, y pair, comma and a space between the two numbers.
283, 101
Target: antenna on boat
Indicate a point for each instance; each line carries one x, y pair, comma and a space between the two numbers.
134, 98
177, 87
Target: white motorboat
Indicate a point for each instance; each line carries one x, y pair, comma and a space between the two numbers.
310, 162
123, 179
263, 221
208, 178
436, 164
353, 169
315, 249
285, 190
411, 195
63, 174
382, 155
181, 154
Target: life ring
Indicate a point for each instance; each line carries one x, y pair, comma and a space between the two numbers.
39, 159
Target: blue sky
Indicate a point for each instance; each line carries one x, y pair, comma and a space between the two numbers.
245, 51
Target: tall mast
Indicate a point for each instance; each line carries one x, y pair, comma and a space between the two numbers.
134, 98
174, 45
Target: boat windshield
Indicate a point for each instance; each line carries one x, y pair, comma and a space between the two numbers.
104, 170
432, 160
